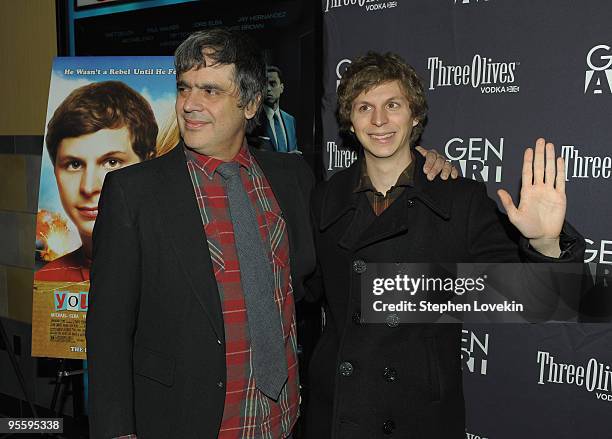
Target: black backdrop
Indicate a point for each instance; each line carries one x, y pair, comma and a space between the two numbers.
499, 74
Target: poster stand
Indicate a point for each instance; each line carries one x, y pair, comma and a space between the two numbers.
60, 384
16, 368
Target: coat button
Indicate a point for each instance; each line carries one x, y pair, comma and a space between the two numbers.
388, 426
359, 266
410, 203
356, 317
346, 369
220, 384
392, 320
389, 374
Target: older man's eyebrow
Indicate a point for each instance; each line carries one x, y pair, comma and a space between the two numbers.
208, 85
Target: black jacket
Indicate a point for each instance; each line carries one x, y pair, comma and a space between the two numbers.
378, 381
155, 334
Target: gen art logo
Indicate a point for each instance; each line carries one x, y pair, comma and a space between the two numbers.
599, 252
340, 69
598, 78
474, 351
479, 158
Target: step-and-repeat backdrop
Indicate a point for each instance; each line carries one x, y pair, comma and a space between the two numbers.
499, 74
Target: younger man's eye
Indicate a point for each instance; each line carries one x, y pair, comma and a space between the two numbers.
73, 165
112, 164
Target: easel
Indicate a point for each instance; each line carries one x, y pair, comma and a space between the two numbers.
62, 373
60, 383
17, 370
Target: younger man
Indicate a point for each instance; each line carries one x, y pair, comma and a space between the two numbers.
405, 380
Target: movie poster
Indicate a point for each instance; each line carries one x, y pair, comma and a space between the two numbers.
104, 113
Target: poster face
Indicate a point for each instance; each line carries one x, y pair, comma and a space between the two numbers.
103, 113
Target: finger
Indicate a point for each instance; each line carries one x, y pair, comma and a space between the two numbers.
436, 167
549, 177
527, 175
446, 168
560, 181
454, 173
430, 161
506, 200
421, 150
538, 162
424, 153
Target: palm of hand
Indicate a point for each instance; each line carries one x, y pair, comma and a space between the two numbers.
540, 213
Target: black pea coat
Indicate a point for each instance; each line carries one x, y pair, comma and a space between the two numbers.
378, 381
155, 336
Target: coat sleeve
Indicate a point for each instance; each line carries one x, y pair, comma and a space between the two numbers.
111, 317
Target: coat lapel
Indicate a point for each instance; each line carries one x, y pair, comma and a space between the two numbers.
339, 200
393, 221
181, 216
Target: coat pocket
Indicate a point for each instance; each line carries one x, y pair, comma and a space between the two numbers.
434, 369
154, 365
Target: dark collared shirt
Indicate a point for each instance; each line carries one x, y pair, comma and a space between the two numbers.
379, 201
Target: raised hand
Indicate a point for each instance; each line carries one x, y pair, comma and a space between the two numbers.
541, 211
